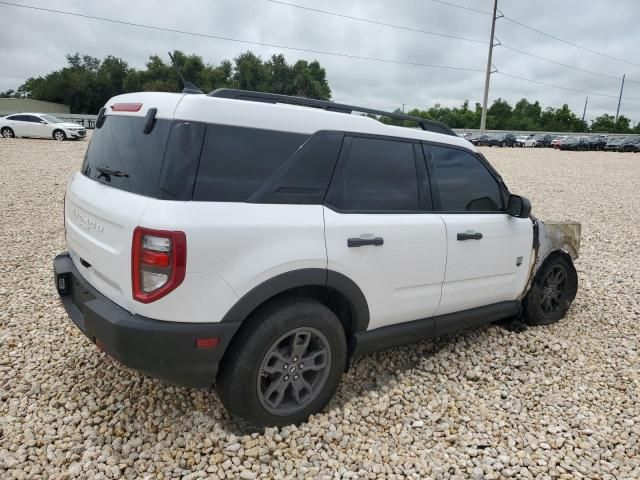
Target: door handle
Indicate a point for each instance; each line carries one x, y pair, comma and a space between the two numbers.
469, 236
360, 242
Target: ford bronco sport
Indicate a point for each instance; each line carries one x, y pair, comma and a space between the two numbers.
259, 242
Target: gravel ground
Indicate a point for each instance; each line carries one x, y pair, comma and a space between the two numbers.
551, 402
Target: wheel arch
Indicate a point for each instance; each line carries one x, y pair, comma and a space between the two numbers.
335, 290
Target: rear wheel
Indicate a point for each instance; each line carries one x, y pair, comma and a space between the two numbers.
59, 135
552, 292
285, 364
7, 132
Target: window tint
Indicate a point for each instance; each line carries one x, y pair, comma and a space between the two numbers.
379, 175
17, 118
120, 144
236, 161
180, 162
464, 182
32, 119
305, 176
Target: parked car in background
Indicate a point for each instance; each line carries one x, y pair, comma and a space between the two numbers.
481, 140
521, 139
597, 142
39, 125
614, 143
630, 145
539, 140
555, 143
503, 140
575, 143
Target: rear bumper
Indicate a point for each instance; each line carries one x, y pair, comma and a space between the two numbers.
164, 350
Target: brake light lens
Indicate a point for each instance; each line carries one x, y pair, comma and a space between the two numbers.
158, 263
126, 107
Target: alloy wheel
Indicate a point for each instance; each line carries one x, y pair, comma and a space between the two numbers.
554, 288
294, 371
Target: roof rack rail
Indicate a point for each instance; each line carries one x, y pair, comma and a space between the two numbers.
231, 93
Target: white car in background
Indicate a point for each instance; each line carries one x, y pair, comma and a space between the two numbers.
521, 139
39, 125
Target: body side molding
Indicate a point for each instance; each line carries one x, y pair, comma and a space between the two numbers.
416, 330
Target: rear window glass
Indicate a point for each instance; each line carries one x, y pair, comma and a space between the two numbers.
121, 146
236, 161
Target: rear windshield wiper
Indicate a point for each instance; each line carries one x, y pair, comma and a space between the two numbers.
107, 173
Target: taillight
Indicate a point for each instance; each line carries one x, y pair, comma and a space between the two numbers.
158, 263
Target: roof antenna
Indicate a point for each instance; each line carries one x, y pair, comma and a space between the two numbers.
188, 87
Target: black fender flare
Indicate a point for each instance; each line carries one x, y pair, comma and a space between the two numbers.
306, 277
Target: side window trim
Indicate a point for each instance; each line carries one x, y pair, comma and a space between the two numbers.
435, 188
433, 179
330, 198
425, 191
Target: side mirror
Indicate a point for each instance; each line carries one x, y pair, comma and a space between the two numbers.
44, 122
518, 206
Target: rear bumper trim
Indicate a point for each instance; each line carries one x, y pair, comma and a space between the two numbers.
164, 350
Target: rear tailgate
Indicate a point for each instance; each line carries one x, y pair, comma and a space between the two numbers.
99, 221
102, 210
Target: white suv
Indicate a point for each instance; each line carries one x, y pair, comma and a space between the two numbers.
39, 125
260, 242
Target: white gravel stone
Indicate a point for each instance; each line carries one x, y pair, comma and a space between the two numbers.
551, 402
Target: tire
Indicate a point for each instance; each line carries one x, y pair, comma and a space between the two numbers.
552, 292
504, 144
7, 132
59, 135
251, 384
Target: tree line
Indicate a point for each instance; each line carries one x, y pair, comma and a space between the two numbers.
86, 83
523, 116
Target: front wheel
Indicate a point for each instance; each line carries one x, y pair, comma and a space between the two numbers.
59, 135
552, 292
7, 132
285, 364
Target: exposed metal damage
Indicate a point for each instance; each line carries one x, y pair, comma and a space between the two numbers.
552, 236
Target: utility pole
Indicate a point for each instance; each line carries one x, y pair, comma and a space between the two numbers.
584, 112
483, 119
620, 97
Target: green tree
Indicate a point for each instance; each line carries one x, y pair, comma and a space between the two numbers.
86, 83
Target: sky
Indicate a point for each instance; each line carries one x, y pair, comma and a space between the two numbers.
35, 43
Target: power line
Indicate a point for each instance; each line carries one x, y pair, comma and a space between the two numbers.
562, 87
415, 30
375, 22
516, 22
559, 63
246, 42
484, 12
595, 52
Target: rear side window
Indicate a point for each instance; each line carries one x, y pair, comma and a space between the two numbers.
121, 145
465, 184
236, 161
379, 175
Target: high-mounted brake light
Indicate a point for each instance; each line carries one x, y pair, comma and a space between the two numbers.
158, 263
126, 107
